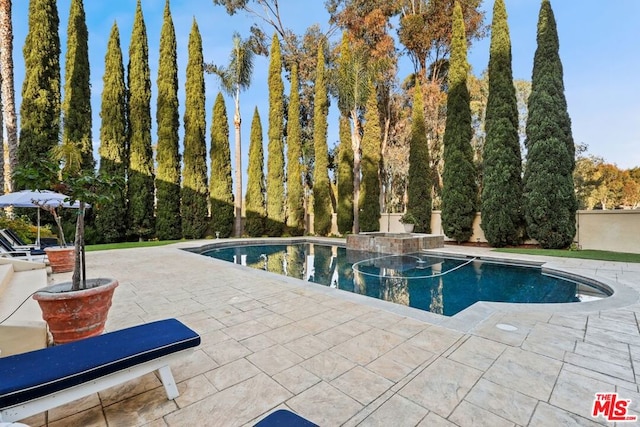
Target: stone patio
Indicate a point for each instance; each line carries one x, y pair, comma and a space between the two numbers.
335, 358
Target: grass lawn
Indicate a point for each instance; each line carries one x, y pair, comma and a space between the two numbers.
125, 245
582, 254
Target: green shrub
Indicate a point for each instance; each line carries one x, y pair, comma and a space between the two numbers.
24, 228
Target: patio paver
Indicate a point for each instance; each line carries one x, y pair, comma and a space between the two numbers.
270, 342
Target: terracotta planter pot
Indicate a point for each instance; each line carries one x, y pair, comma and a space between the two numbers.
61, 260
73, 315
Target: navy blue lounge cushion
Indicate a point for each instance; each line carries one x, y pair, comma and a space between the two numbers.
34, 374
284, 418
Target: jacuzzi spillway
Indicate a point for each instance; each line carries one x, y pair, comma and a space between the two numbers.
394, 243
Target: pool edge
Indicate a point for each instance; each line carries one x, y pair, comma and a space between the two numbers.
467, 319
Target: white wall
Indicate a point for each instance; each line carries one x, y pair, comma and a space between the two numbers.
612, 230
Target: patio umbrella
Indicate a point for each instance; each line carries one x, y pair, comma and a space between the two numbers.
36, 199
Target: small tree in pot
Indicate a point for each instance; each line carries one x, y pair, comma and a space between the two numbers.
76, 309
44, 174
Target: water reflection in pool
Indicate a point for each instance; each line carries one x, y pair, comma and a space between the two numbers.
436, 284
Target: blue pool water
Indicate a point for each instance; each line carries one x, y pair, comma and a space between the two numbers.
431, 283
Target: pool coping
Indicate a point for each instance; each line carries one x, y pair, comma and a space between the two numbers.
622, 295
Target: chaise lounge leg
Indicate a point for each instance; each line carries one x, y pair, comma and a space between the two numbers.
151, 347
169, 383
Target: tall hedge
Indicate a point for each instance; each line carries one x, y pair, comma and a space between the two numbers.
76, 107
194, 178
295, 191
140, 183
502, 215
40, 108
221, 183
255, 205
275, 160
168, 219
321, 186
419, 183
459, 192
113, 141
345, 178
550, 201
370, 185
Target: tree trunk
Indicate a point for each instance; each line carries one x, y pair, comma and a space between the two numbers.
79, 272
383, 170
8, 92
2, 168
355, 144
238, 198
56, 217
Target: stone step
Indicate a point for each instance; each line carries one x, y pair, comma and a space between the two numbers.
6, 273
21, 325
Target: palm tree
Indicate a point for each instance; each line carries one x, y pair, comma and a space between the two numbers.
234, 78
352, 80
8, 89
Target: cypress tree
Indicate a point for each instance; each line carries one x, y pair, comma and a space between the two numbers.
370, 186
254, 202
168, 221
221, 183
113, 141
345, 178
459, 193
77, 143
275, 161
140, 173
550, 201
194, 189
295, 192
76, 108
321, 185
502, 216
40, 108
419, 183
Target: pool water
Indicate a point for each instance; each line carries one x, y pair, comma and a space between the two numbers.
431, 283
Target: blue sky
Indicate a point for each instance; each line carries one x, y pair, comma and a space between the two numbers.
598, 48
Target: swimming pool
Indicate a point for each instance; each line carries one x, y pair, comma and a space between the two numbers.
441, 285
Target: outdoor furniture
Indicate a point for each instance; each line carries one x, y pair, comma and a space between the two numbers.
14, 239
7, 249
284, 418
37, 381
19, 244
41, 199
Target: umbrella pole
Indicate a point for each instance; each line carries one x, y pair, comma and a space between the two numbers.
38, 238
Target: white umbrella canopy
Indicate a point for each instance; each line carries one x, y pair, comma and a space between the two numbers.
34, 199
37, 199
